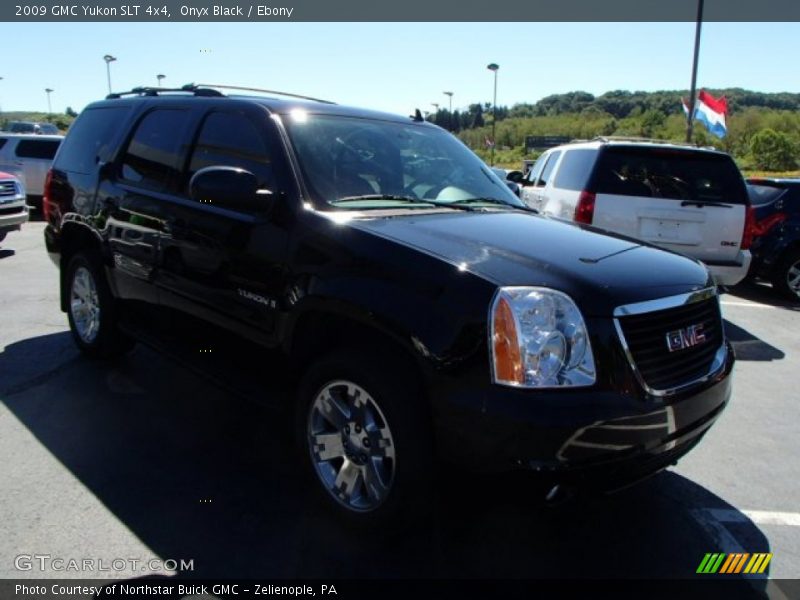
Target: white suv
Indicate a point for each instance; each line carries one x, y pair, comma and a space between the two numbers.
684, 198
29, 157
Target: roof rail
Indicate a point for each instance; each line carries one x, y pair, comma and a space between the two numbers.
250, 89
633, 138
189, 88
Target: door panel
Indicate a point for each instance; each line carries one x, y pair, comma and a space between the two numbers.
219, 264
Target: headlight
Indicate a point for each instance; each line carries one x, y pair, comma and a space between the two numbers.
539, 340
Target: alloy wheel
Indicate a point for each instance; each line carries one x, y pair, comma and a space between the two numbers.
84, 305
351, 446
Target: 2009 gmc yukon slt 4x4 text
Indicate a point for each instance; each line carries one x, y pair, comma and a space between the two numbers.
429, 313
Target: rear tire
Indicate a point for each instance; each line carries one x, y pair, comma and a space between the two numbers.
364, 435
92, 311
786, 277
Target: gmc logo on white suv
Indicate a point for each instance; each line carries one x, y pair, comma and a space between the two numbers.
681, 339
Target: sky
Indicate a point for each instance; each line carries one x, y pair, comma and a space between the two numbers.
394, 67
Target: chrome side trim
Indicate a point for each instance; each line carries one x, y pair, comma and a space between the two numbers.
639, 308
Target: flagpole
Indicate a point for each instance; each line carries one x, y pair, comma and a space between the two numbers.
693, 92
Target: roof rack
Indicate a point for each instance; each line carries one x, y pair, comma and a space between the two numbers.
189, 88
633, 138
250, 89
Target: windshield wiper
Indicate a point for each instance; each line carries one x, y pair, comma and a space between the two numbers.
702, 203
495, 201
399, 198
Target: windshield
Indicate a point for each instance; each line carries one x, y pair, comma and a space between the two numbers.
355, 163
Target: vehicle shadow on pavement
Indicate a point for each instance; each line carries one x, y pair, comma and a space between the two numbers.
763, 294
198, 474
746, 346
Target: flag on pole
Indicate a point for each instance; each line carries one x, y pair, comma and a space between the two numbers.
711, 112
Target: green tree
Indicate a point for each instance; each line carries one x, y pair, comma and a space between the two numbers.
773, 151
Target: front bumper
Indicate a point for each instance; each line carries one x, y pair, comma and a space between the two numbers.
13, 215
580, 437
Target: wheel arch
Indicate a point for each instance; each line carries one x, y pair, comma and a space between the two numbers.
76, 237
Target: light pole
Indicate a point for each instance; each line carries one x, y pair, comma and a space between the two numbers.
494, 67
450, 110
692, 92
160, 77
48, 91
109, 59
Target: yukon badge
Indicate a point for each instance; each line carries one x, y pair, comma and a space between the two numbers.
681, 339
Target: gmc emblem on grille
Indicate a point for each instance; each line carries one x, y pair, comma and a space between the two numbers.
687, 337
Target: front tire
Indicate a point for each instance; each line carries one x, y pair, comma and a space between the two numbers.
365, 436
787, 276
92, 312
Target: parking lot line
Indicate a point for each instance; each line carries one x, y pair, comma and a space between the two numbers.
759, 517
747, 304
765, 517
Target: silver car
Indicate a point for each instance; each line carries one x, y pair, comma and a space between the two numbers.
31, 155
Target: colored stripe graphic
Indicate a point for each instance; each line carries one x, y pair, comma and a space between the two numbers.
723, 563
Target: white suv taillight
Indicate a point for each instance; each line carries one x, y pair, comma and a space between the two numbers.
584, 211
749, 228
47, 196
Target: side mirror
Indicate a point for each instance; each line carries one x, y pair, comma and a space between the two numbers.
513, 187
515, 176
228, 187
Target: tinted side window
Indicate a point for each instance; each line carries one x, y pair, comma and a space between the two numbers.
576, 166
45, 149
764, 194
90, 138
548, 169
231, 139
3, 142
668, 173
154, 157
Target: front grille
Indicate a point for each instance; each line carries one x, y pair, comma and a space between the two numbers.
646, 337
7, 188
13, 210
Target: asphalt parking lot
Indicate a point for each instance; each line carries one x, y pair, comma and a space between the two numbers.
144, 459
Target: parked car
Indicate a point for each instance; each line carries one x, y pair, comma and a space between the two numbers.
426, 313
686, 199
31, 127
21, 127
13, 209
48, 129
33, 155
776, 243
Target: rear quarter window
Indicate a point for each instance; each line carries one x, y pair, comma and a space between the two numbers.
763, 194
91, 138
575, 169
43, 149
669, 173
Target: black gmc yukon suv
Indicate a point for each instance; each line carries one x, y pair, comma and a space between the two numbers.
429, 314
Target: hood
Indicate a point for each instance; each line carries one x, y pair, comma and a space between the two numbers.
599, 270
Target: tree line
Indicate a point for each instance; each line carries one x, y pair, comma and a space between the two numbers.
763, 128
